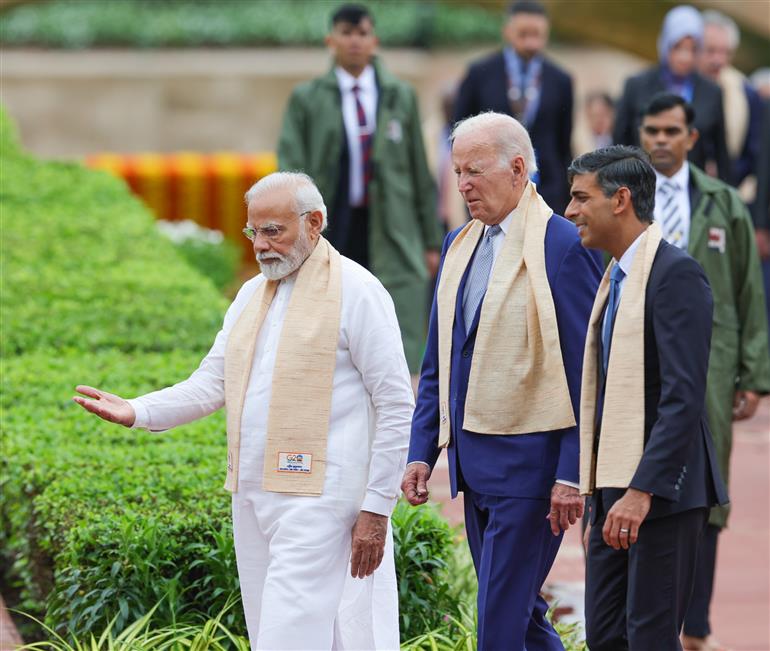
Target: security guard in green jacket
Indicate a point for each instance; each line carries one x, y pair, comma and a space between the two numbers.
356, 131
707, 218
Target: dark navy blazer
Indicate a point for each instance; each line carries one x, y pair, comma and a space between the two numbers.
679, 465
522, 465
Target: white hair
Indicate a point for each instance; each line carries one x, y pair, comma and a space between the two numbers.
718, 19
307, 198
509, 137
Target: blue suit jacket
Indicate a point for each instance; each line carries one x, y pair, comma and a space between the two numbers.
522, 465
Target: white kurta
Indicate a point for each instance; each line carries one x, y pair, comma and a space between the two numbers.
371, 411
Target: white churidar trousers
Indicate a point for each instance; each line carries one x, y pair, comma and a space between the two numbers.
293, 557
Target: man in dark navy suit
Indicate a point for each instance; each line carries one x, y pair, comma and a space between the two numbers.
519, 483
520, 81
647, 455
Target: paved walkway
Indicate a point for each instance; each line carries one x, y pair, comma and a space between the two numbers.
741, 607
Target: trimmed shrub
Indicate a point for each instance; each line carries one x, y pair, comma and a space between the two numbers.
99, 521
229, 23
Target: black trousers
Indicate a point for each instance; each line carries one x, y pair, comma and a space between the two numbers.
696, 620
357, 238
636, 599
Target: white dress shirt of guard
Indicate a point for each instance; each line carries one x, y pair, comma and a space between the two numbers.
367, 94
293, 552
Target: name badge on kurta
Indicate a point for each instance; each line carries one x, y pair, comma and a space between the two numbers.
717, 239
295, 462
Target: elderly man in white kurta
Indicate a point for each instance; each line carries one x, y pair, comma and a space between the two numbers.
310, 367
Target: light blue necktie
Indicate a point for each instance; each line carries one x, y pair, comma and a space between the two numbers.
671, 216
616, 275
476, 285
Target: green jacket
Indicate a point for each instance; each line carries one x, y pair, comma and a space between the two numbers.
402, 203
722, 241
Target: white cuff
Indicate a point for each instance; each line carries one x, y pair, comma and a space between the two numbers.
141, 415
424, 463
568, 483
376, 503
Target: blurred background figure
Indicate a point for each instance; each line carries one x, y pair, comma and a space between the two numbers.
356, 131
520, 81
742, 104
595, 132
680, 40
760, 80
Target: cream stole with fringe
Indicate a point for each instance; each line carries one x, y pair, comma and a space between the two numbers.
300, 402
621, 438
517, 382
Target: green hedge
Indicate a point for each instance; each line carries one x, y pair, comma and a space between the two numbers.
191, 23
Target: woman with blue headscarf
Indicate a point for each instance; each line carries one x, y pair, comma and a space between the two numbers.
679, 42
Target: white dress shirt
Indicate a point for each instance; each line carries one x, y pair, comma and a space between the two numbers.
367, 82
625, 262
372, 399
682, 180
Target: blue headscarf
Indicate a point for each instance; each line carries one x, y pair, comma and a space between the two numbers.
679, 23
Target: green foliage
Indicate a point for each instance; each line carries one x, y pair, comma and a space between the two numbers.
97, 522
205, 250
190, 23
432, 585
210, 634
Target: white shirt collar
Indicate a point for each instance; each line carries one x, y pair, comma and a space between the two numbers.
681, 178
504, 225
628, 256
366, 80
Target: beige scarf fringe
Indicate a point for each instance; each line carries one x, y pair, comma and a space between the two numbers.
621, 440
517, 381
303, 375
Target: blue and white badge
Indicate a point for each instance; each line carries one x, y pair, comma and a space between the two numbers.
295, 462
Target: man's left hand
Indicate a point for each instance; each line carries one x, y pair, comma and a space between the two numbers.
432, 259
368, 548
566, 507
621, 528
745, 404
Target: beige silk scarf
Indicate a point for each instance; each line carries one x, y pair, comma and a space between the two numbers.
517, 382
300, 402
621, 439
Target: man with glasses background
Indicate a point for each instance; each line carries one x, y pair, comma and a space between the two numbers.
311, 371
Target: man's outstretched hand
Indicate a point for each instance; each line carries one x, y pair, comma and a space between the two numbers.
107, 406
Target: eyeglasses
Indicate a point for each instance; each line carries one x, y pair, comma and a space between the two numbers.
272, 232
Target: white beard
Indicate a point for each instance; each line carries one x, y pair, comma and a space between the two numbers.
275, 266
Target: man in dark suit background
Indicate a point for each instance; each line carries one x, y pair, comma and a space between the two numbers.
650, 467
680, 40
519, 479
520, 81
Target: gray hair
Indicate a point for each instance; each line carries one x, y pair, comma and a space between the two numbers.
307, 198
509, 137
718, 19
760, 77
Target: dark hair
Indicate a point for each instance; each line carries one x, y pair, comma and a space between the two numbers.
618, 167
351, 13
600, 96
665, 102
526, 7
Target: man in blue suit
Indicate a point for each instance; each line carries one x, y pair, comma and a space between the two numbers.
521, 81
500, 380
